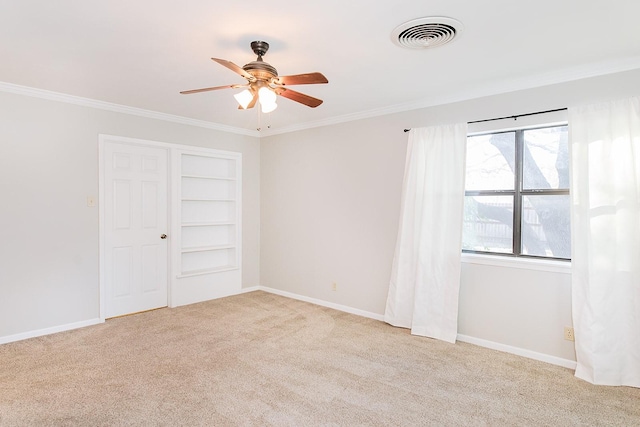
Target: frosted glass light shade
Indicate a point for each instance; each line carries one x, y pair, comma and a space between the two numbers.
267, 108
244, 98
267, 96
267, 99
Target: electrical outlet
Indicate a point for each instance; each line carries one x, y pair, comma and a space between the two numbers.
334, 286
568, 334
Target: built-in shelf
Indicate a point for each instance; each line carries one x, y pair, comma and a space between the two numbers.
206, 248
207, 271
206, 224
222, 178
209, 214
207, 200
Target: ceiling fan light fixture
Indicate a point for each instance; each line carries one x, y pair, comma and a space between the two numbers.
266, 95
267, 98
244, 98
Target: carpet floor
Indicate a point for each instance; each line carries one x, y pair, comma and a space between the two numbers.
259, 359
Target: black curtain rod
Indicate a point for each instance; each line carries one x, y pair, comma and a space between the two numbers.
511, 117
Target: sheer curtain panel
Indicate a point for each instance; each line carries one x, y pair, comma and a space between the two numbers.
425, 276
605, 222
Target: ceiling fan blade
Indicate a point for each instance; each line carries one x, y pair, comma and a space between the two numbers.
298, 97
233, 67
253, 101
302, 79
207, 89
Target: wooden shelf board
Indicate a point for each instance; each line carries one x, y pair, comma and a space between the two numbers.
207, 271
206, 224
206, 248
221, 178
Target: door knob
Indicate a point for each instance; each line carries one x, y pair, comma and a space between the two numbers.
163, 236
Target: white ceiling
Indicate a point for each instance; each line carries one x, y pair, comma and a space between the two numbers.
142, 53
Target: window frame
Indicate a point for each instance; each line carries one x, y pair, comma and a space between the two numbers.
518, 193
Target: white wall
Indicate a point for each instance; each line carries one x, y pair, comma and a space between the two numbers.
330, 202
48, 236
517, 307
330, 213
319, 206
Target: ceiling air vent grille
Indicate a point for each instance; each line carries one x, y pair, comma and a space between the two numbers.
426, 33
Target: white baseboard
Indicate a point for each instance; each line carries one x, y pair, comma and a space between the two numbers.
566, 363
570, 364
322, 303
48, 331
463, 338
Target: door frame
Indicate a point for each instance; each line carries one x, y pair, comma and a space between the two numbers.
103, 140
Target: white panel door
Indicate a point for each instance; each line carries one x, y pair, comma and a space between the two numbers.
135, 228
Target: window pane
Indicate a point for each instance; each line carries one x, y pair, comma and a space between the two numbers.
488, 224
546, 158
546, 229
490, 161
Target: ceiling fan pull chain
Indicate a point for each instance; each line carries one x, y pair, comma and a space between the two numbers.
259, 119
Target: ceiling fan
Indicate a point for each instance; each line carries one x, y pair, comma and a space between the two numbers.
264, 84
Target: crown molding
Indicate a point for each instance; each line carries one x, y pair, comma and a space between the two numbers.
117, 108
505, 86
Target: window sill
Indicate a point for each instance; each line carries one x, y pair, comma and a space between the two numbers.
554, 266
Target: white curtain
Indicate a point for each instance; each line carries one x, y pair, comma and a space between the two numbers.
605, 220
425, 276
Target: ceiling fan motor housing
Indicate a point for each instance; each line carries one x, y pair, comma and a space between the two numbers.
261, 70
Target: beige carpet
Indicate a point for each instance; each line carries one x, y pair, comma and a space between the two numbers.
259, 359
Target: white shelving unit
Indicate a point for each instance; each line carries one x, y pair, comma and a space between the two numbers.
209, 214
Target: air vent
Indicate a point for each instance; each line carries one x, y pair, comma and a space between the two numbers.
425, 33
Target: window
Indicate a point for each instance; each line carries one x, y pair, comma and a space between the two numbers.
517, 193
